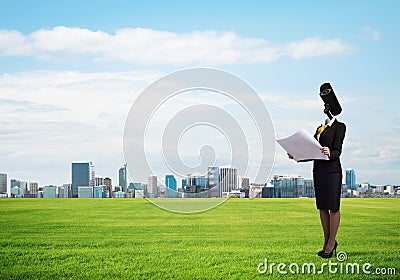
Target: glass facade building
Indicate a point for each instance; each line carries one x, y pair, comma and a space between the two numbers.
3, 183
351, 179
85, 192
83, 175
50, 192
98, 192
122, 178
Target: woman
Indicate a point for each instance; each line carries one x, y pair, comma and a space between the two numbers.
327, 175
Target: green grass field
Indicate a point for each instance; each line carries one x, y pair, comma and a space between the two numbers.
133, 239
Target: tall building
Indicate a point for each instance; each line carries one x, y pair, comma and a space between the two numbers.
351, 179
213, 181
108, 187
64, 191
122, 178
33, 188
152, 189
213, 176
50, 192
83, 175
170, 183
98, 181
227, 180
21, 185
243, 183
108, 182
3, 183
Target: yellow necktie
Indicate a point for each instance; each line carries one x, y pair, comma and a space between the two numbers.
320, 129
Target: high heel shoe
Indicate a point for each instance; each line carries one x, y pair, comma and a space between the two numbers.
319, 253
326, 255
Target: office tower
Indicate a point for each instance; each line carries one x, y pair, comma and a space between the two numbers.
213, 176
227, 180
3, 183
243, 183
21, 185
170, 183
144, 188
185, 182
98, 181
351, 179
213, 181
152, 189
108, 182
83, 175
122, 178
33, 188
50, 192
64, 191
108, 187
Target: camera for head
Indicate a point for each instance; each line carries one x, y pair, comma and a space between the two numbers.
331, 103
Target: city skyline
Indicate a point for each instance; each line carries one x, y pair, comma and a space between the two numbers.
67, 83
349, 178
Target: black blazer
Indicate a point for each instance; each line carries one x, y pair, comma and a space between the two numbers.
332, 137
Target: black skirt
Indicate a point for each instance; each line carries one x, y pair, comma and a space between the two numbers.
328, 187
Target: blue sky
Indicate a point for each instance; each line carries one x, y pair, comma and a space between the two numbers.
69, 71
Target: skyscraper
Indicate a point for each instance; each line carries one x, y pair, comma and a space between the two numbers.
227, 179
33, 188
170, 183
3, 183
152, 189
108, 187
122, 178
213, 181
83, 175
351, 179
213, 176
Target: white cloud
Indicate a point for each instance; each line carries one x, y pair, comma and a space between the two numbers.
315, 47
14, 43
148, 46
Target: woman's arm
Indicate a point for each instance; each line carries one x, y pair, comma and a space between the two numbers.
336, 150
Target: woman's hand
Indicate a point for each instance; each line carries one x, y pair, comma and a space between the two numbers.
326, 151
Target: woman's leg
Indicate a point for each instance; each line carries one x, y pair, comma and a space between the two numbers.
334, 226
326, 225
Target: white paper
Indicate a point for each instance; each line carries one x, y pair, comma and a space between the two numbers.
302, 146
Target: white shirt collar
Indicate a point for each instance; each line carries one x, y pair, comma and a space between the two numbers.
329, 122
